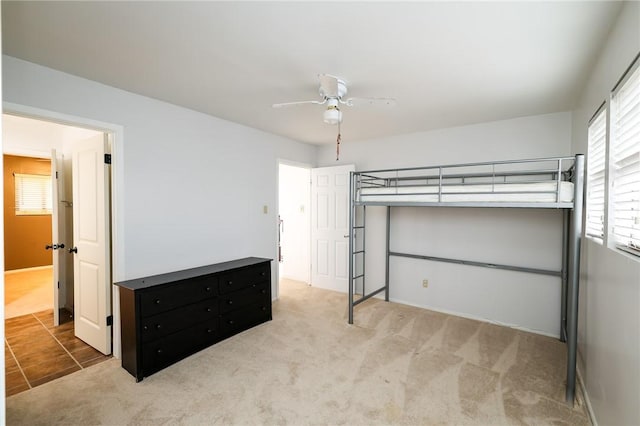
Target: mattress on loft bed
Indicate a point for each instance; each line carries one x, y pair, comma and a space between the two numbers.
532, 192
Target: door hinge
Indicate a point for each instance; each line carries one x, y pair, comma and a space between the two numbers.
110, 320
56, 175
107, 159
58, 284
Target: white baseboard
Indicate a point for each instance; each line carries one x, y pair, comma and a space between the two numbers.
34, 268
587, 401
476, 318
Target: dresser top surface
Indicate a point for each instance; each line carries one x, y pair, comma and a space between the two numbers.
150, 281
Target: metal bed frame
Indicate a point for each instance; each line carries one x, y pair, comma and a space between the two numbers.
558, 169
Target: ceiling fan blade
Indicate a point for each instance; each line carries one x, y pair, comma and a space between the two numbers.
286, 104
328, 85
370, 101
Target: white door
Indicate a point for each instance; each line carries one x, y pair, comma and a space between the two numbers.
92, 263
330, 227
58, 230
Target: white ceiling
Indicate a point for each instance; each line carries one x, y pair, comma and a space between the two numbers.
446, 63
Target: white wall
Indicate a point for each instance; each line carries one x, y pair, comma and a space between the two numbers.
530, 238
294, 209
609, 311
190, 188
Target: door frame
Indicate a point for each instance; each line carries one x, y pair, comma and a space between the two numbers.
279, 161
116, 134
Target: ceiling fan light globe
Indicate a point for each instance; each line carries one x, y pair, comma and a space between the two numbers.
332, 116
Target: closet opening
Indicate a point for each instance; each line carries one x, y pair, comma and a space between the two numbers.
294, 224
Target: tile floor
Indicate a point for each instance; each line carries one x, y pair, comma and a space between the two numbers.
36, 352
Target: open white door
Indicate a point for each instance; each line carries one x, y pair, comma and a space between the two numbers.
57, 224
92, 263
330, 227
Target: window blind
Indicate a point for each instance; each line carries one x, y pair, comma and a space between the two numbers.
33, 194
625, 163
596, 154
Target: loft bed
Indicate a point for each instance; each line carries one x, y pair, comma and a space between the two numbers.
548, 183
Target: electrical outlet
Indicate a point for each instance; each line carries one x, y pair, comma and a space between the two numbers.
425, 283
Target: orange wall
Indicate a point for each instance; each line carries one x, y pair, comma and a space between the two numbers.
24, 236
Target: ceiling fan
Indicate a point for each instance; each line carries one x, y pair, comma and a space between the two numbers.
332, 92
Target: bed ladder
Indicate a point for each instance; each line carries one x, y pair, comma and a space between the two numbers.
356, 234
357, 253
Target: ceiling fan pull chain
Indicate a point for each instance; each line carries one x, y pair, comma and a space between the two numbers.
338, 144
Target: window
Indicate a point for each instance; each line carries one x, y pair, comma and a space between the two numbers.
596, 151
625, 162
33, 194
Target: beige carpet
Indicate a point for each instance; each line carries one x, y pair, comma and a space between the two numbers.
27, 291
396, 365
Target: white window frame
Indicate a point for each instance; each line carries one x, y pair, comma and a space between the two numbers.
33, 194
624, 163
596, 194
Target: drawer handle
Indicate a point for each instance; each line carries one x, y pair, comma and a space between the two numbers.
263, 273
208, 309
145, 328
264, 308
263, 291
158, 326
159, 351
229, 282
230, 322
209, 330
230, 302
157, 301
253, 285
208, 289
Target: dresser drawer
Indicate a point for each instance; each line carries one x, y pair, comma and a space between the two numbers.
244, 277
177, 294
159, 325
173, 347
240, 319
256, 293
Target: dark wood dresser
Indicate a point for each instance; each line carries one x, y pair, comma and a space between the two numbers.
167, 317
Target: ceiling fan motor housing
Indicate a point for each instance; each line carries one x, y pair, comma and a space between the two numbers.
340, 92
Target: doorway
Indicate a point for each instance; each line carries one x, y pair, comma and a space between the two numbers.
49, 343
294, 214
313, 228
27, 233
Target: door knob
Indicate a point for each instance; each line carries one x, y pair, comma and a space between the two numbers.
73, 250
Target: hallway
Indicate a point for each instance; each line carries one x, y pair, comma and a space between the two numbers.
36, 352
